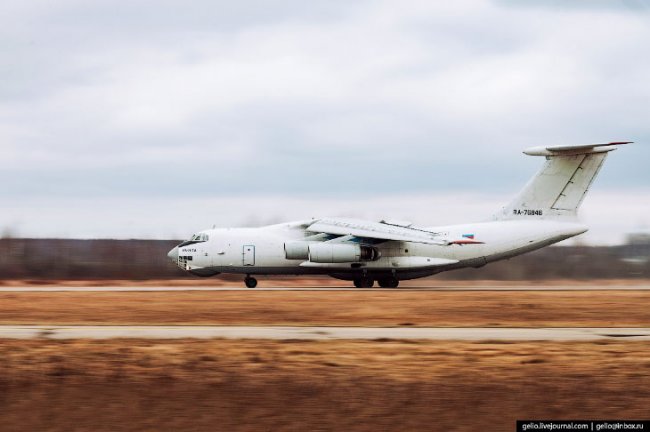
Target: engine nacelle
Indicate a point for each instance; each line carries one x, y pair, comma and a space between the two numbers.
296, 250
341, 253
334, 253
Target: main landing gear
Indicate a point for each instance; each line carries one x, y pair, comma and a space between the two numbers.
364, 282
250, 282
385, 282
389, 282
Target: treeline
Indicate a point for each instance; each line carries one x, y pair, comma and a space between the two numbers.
87, 259
147, 259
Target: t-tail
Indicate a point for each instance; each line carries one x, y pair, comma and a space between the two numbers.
559, 188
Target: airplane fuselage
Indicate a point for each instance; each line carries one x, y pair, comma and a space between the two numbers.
262, 251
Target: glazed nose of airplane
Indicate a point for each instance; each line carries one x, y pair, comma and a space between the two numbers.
173, 254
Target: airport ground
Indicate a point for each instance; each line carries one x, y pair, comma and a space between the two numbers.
291, 384
237, 281
462, 306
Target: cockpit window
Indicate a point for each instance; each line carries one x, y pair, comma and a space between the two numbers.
196, 238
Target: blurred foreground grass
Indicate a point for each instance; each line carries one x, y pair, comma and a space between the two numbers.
230, 385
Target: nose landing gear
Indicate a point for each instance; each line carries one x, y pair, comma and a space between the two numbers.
250, 282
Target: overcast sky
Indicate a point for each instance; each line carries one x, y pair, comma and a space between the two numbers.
159, 118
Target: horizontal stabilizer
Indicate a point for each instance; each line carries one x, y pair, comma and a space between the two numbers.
573, 149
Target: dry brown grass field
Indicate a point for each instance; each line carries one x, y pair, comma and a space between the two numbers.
339, 308
344, 385
230, 385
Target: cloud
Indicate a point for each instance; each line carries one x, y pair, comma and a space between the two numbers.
322, 99
593, 5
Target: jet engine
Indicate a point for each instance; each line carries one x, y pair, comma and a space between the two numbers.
296, 250
341, 253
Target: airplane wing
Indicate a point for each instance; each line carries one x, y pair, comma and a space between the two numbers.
374, 231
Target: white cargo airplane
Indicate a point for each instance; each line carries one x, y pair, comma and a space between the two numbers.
362, 251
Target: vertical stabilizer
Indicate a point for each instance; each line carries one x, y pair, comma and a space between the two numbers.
558, 189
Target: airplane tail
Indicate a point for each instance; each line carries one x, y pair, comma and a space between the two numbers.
558, 189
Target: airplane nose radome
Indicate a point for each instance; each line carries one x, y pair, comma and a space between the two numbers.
173, 254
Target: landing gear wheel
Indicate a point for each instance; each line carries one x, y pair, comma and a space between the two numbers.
250, 282
390, 282
364, 283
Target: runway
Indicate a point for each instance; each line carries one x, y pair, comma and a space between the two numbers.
437, 288
324, 333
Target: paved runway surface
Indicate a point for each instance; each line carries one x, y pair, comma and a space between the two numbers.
450, 288
323, 333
